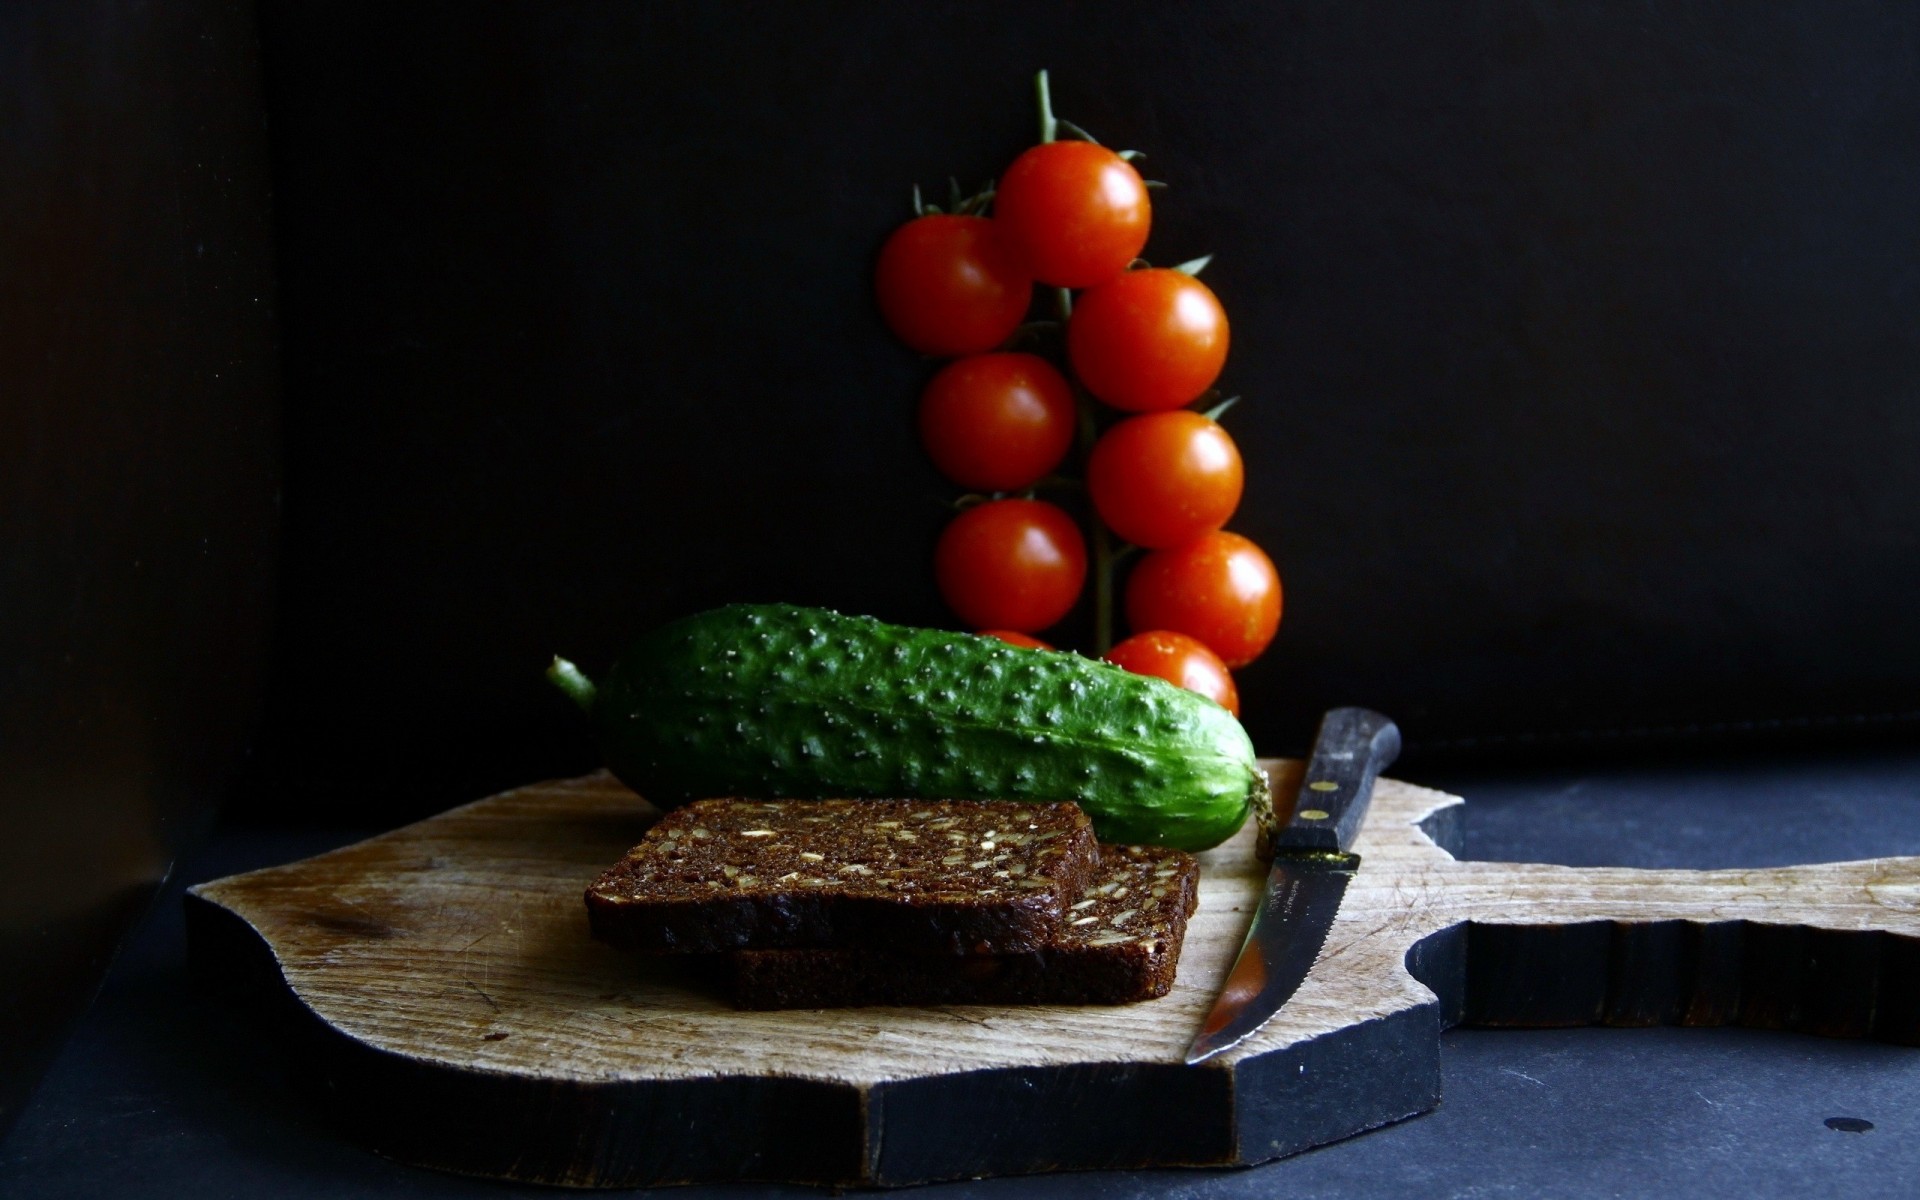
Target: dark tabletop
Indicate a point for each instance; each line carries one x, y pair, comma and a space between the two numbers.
164, 1091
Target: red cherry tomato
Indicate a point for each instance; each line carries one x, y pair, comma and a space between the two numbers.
1149, 340
1077, 213
1220, 588
1165, 478
1015, 639
997, 422
1011, 564
1179, 660
949, 285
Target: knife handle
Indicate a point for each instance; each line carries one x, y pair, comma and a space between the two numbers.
1353, 746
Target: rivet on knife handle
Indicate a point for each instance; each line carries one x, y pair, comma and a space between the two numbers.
1309, 875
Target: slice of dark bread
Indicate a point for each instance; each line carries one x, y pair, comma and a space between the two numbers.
954, 877
1121, 944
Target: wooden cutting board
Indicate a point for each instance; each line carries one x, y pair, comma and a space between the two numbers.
443, 999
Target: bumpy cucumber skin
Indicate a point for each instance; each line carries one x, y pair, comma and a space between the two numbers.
777, 700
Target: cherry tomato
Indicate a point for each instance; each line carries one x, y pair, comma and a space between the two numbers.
1011, 564
1165, 478
1180, 660
1149, 340
1076, 212
1015, 639
997, 422
1220, 588
948, 285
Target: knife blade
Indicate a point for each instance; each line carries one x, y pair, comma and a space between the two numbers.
1309, 874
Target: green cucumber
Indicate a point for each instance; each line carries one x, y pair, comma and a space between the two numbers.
775, 700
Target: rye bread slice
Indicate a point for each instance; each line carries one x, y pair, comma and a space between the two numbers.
1121, 944
952, 877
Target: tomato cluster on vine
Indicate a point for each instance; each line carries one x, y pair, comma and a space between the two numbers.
1136, 352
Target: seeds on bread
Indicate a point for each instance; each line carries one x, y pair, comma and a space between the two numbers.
1121, 943
952, 878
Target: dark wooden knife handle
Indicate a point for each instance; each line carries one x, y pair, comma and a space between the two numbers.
1353, 746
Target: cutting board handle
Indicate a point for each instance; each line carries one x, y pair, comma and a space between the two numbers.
1828, 948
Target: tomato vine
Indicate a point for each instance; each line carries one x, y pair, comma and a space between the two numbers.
1124, 376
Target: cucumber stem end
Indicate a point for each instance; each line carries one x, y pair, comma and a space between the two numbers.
569, 679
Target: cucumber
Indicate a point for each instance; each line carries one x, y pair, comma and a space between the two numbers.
776, 700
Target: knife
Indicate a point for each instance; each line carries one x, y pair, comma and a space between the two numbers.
1310, 871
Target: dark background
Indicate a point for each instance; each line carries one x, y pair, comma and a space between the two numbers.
1581, 348
139, 464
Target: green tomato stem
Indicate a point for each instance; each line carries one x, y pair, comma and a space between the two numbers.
1103, 563
1049, 127
1104, 557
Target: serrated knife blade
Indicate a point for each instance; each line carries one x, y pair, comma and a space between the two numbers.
1311, 868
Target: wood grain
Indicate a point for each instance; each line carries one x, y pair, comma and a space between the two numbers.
446, 998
